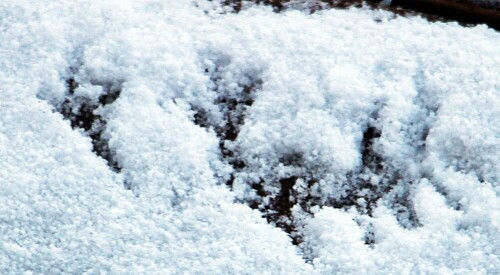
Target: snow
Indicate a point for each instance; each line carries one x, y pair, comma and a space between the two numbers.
200, 136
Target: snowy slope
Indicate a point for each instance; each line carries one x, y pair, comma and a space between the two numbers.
152, 136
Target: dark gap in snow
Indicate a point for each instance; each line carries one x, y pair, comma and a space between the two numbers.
455, 203
201, 117
127, 184
280, 210
369, 191
236, 5
293, 158
261, 193
369, 237
378, 179
277, 208
284, 200
232, 102
303, 189
370, 158
111, 94
234, 110
373, 166
277, 205
276, 4
81, 112
402, 204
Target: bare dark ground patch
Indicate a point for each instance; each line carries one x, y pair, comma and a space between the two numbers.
81, 112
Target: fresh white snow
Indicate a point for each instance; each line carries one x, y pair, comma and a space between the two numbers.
317, 100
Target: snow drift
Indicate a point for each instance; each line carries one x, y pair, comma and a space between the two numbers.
177, 137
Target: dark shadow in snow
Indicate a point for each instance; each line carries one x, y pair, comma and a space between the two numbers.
236, 5
232, 103
389, 184
81, 112
370, 236
371, 159
276, 196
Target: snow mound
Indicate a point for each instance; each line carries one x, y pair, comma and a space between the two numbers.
178, 137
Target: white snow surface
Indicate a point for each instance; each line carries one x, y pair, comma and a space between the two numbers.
317, 82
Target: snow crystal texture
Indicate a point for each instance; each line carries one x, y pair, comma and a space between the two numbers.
166, 137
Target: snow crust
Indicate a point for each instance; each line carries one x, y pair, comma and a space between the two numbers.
301, 92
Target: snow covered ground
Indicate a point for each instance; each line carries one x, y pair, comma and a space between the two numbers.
163, 137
